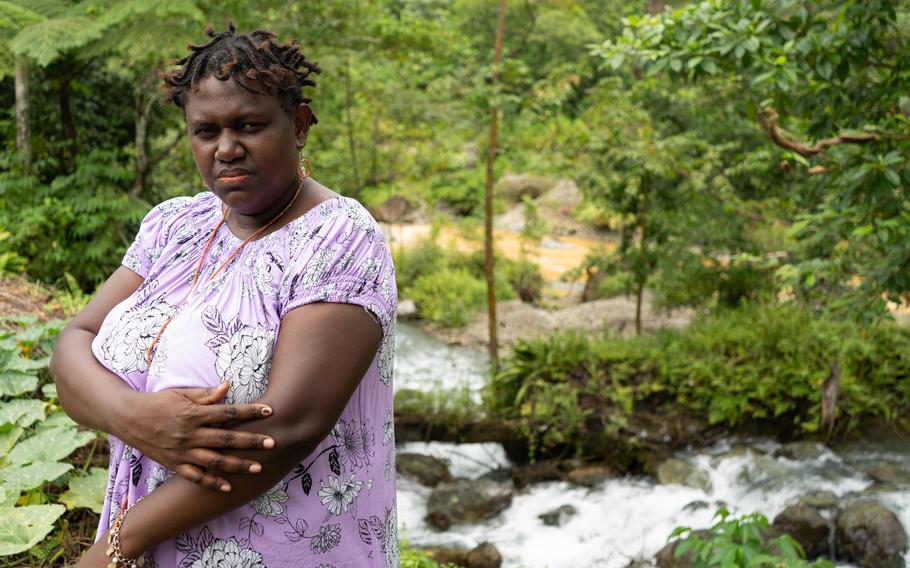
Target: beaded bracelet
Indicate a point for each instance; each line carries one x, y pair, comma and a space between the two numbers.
113, 542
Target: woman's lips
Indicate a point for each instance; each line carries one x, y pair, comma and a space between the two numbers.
232, 180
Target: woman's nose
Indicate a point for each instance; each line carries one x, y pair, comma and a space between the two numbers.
229, 148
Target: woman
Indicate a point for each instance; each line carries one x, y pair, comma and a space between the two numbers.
269, 291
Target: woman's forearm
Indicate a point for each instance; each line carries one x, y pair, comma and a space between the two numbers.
179, 505
84, 386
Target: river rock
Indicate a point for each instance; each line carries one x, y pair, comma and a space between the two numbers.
890, 474
589, 475
820, 500
467, 501
393, 210
407, 309
871, 535
679, 472
427, 470
802, 450
564, 196
807, 527
558, 516
484, 556
515, 186
446, 555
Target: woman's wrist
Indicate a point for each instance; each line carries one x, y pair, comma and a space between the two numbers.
132, 537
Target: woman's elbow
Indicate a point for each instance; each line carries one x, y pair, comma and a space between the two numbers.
298, 436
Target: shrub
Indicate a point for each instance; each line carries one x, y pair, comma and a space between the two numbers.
742, 365
448, 297
742, 542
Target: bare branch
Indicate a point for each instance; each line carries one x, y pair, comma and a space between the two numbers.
768, 119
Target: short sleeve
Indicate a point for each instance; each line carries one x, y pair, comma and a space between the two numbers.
152, 236
345, 260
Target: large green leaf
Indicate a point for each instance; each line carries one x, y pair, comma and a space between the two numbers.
16, 479
23, 412
23, 527
49, 445
58, 419
87, 490
47, 41
9, 438
15, 17
14, 384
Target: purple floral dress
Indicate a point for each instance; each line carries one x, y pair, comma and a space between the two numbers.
337, 507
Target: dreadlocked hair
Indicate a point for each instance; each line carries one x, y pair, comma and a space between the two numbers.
247, 58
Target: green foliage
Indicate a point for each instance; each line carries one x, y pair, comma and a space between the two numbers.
35, 439
449, 297
415, 558
742, 542
757, 362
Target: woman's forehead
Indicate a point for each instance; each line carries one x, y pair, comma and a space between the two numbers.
213, 97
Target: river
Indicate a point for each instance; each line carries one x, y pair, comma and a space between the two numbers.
624, 518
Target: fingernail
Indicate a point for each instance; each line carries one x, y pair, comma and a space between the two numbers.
268, 443
226, 488
266, 411
255, 468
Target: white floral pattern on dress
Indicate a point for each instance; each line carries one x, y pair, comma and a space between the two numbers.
328, 538
228, 554
355, 442
338, 495
271, 503
388, 428
156, 478
387, 356
390, 539
125, 348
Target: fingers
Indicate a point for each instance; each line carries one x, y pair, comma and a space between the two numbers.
206, 479
215, 438
221, 413
216, 462
209, 395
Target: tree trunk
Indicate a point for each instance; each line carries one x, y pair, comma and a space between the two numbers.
642, 276
22, 131
349, 120
67, 123
488, 195
374, 150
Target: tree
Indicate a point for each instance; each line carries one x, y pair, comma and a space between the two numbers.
827, 82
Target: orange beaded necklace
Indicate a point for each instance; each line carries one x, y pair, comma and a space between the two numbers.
303, 176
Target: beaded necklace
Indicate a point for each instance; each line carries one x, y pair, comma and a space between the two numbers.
148, 352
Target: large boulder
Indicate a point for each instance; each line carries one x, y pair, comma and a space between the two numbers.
889, 474
467, 501
807, 526
407, 309
870, 535
393, 210
514, 187
427, 470
589, 475
447, 555
679, 472
485, 555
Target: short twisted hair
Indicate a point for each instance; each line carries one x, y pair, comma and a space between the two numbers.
247, 58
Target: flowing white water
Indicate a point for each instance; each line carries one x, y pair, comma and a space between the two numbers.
625, 518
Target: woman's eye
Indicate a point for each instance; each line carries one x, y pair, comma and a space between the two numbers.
205, 132
252, 126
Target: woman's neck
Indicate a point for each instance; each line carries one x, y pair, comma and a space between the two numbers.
243, 225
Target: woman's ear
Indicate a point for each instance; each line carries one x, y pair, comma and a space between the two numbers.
303, 116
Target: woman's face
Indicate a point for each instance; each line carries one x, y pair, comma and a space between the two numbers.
245, 145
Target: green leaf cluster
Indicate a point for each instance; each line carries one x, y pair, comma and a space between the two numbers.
36, 438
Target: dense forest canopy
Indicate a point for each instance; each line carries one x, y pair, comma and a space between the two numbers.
739, 149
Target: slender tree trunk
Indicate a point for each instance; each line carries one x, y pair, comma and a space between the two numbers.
67, 123
643, 243
374, 150
22, 131
488, 194
349, 120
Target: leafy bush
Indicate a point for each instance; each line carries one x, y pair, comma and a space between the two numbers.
525, 279
742, 542
448, 297
754, 363
37, 484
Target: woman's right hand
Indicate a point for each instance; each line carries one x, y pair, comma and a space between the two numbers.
181, 430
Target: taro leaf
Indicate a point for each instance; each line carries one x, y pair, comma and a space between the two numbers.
307, 482
49, 445
23, 527
13, 383
28, 366
8, 439
49, 391
22, 478
86, 490
57, 419
23, 412
4, 495
333, 462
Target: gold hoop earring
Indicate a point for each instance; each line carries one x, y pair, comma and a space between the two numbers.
301, 162
205, 185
